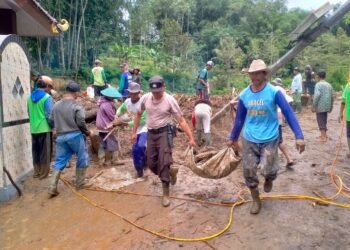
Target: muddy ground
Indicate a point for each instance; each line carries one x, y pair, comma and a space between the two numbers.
68, 222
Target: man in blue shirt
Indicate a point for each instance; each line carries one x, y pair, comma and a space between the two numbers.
257, 115
202, 82
125, 79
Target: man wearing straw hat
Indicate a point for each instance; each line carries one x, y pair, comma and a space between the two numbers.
130, 106
161, 108
104, 123
257, 116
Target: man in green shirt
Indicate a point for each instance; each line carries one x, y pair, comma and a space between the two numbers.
130, 106
202, 82
99, 78
345, 106
40, 106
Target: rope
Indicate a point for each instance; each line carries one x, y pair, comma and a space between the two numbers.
341, 189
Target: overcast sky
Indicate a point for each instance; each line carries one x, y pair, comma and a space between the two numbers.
310, 4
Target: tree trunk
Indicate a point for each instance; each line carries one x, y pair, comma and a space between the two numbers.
47, 56
40, 62
77, 43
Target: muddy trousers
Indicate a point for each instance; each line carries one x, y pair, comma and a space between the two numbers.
139, 152
259, 155
41, 151
159, 154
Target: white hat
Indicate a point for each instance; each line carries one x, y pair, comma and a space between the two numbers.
211, 63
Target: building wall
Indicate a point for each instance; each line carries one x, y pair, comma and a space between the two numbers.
15, 151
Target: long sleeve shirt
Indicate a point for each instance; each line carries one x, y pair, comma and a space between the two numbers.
323, 97
297, 84
257, 114
69, 116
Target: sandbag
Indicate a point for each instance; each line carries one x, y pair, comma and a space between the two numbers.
223, 163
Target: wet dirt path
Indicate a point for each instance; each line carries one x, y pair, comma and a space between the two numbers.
67, 222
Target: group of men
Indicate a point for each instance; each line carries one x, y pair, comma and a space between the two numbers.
99, 80
152, 125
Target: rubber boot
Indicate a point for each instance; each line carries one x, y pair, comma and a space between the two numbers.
36, 173
207, 139
101, 156
173, 174
115, 159
199, 133
108, 158
54, 182
268, 185
80, 182
45, 170
256, 205
165, 199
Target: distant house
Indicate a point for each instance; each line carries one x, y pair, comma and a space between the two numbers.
17, 18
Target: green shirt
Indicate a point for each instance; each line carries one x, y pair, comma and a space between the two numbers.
37, 118
132, 109
99, 77
346, 100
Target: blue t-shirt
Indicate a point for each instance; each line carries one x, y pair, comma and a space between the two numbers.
125, 80
261, 124
257, 114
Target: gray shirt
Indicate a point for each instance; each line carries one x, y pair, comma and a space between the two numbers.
69, 116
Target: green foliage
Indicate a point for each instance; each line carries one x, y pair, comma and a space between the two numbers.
175, 38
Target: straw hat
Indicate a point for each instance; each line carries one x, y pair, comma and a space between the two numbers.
111, 92
258, 65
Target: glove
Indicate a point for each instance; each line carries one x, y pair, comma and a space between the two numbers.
300, 145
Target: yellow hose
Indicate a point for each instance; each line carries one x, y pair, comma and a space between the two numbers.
339, 184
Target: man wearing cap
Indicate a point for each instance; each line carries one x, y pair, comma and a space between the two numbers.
40, 106
161, 108
34, 77
202, 81
125, 80
136, 77
99, 80
309, 84
69, 123
297, 89
131, 106
257, 115
104, 124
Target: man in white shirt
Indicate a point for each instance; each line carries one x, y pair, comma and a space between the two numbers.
297, 89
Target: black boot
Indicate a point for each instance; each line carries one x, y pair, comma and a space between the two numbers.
173, 174
268, 185
256, 205
166, 191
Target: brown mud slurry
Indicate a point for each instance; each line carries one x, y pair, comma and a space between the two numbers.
68, 222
